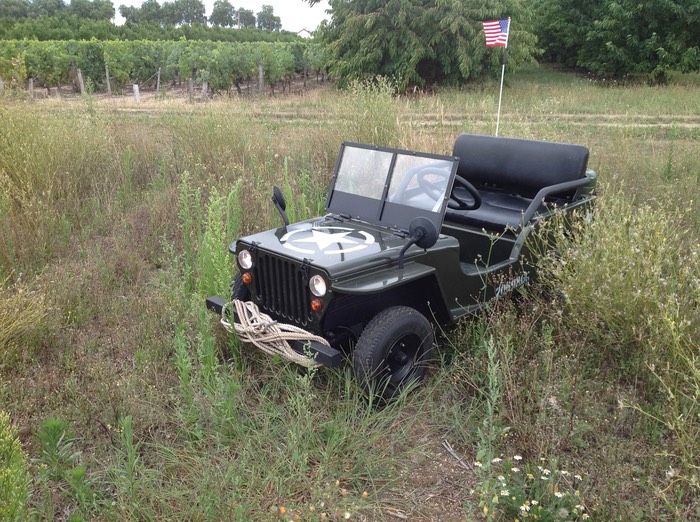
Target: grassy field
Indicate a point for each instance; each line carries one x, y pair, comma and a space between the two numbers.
131, 403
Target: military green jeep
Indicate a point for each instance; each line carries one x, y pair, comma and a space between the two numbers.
409, 240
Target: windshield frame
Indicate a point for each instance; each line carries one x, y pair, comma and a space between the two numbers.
398, 192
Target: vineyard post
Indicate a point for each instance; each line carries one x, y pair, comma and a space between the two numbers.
261, 78
137, 95
158, 83
109, 84
81, 82
31, 88
191, 89
2, 87
205, 90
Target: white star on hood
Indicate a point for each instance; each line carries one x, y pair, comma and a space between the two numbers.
324, 239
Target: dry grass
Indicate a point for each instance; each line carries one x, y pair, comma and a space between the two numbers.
108, 209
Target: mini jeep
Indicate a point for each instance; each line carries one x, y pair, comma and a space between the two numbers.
409, 240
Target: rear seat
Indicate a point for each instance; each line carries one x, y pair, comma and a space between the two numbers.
517, 179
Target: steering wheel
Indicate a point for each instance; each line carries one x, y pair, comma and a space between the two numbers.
456, 203
432, 189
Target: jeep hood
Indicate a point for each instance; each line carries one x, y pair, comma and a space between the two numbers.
338, 247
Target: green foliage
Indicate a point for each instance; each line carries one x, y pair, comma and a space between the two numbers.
14, 476
222, 64
130, 466
245, 19
57, 454
419, 42
630, 280
267, 21
146, 27
618, 38
223, 14
624, 285
215, 269
59, 465
522, 490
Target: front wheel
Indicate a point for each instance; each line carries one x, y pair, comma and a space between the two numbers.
393, 351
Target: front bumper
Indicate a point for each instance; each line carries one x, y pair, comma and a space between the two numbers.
325, 355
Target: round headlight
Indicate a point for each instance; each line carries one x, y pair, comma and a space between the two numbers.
317, 285
245, 259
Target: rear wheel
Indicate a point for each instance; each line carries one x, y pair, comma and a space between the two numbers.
393, 351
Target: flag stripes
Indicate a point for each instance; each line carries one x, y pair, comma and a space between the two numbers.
496, 32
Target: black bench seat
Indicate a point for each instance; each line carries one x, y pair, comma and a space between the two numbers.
518, 179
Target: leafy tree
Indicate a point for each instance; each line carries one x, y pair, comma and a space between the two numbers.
245, 18
15, 8
562, 25
652, 37
169, 14
621, 37
190, 11
47, 7
267, 21
129, 13
421, 41
92, 9
150, 12
223, 14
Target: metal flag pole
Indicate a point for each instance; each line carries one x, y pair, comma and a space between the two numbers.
503, 72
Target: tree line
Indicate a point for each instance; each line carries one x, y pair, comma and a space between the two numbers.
419, 42
173, 13
617, 38
413, 42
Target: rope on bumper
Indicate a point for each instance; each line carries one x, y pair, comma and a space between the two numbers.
271, 337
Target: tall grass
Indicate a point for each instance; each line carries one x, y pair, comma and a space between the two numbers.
119, 221
22, 323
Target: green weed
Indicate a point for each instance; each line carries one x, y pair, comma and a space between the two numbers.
14, 475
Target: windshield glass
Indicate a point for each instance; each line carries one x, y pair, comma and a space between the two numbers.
419, 182
363, 172
390, 186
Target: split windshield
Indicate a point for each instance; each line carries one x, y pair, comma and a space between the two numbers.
390, 186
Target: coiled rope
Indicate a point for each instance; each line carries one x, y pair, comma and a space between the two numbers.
255, 327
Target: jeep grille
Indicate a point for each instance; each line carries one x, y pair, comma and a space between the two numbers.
280, 286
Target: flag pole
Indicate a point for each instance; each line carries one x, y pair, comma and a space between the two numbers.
500, 93
503, 73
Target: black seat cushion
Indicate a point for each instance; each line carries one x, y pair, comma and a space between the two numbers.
518, 166
498, 212
509, 172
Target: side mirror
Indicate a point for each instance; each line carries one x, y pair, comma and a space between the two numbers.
423, 234
280, 203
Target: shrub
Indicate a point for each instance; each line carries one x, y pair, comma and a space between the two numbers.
630, 279
14, 477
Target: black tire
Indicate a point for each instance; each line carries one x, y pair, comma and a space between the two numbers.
239, 290
394, 350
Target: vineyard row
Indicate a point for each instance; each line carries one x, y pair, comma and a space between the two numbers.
221, 64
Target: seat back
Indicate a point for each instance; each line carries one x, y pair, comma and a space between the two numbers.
518, 166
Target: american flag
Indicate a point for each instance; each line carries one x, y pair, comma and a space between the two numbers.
496, 32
